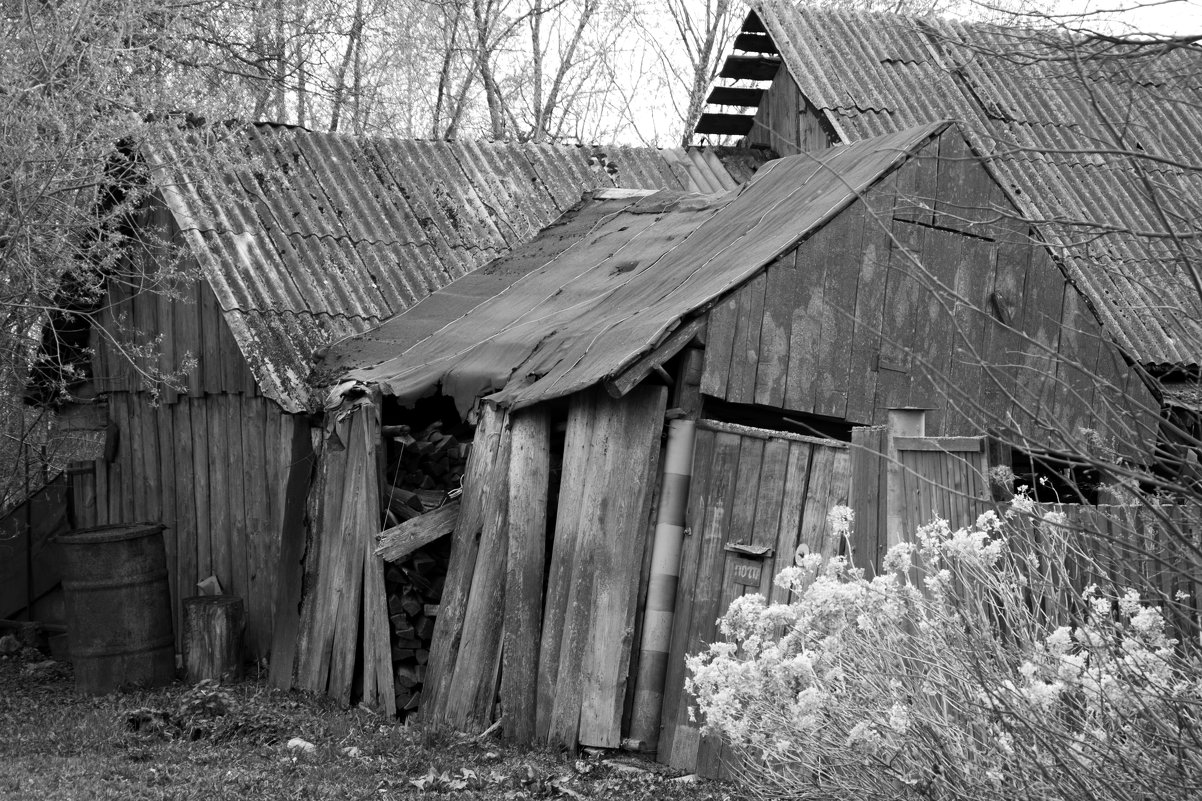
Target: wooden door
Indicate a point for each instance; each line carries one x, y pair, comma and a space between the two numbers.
752, 490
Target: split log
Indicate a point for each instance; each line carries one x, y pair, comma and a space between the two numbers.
213, 629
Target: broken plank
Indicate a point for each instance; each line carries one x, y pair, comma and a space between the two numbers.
401, 540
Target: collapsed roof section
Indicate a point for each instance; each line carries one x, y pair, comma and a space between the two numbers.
608, 282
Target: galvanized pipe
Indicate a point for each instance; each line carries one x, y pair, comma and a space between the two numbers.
661, 589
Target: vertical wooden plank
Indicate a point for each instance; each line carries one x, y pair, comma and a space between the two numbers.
1073, 400
357, 524
868, 498
841, 286
965, 414
769, 506
169, 279
211, 323
932, 338
745, 355
100, 469
674, 713
83, 486
794, 495
465, 546
1043, 299
838, 493
719, 343
315, 627
181, 446
473, 687
637, 421
186, 323
686, 740
804, 338
876, 242
233, 410
576, 449
813, 519
529, 480
378, 689
221, 506
1003, 342
742, 522
169, 511
896, 362
292, 490
200, 475
127, 487
773, 364
260, 534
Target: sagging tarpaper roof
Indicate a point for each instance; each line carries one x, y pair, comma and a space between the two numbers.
607, 283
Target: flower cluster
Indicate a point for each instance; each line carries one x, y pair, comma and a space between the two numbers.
939, 677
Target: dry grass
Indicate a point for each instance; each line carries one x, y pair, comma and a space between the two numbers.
231, 742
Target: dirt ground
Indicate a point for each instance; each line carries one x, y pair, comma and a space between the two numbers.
241, 742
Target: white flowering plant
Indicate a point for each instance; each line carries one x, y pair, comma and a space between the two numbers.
943, 678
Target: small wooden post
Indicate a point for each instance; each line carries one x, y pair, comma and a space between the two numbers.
903, 422
213, 628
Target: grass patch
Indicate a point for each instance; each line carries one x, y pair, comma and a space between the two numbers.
213, 742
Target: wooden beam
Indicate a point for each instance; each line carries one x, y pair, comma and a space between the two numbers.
529, 482
750, 68
632, 376
735, 96
756, 43
944, 444
725, 124
399, 541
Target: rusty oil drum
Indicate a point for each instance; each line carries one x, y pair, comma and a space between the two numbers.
118, 607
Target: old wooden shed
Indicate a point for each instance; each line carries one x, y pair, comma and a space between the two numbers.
809, 300
256, 246
1094, 140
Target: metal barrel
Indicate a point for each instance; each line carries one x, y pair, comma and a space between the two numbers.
118, 607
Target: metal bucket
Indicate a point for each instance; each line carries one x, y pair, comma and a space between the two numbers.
118, 607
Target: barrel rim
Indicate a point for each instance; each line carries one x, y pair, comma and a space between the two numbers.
113, 532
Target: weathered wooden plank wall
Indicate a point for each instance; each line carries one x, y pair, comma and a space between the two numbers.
755, 488
566, 658
923, 294
158, 291
785, 122
207, 469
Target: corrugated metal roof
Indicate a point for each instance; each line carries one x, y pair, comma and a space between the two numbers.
607, 282
1053, 128
317, 236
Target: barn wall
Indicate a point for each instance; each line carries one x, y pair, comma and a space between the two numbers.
898, 301
786, 122
214, 470
157, 291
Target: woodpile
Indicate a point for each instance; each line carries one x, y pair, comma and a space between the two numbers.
425, 471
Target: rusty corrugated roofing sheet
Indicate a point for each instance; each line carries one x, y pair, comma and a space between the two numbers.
318, 236
607, 282
1059, 129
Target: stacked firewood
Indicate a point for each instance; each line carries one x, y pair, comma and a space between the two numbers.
414, 589
425, 471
